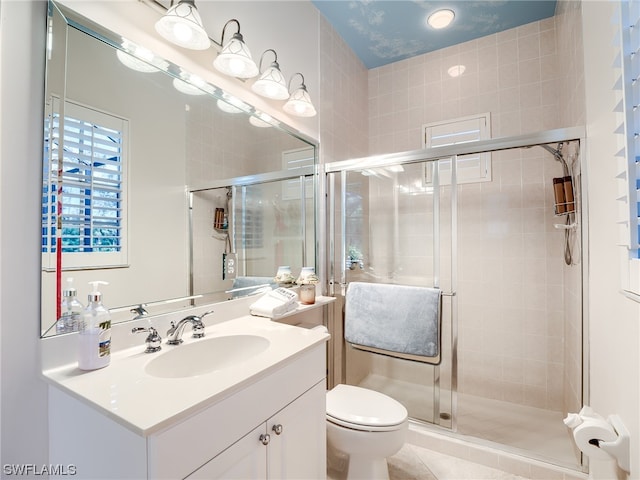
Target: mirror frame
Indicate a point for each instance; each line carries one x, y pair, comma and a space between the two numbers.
73, 19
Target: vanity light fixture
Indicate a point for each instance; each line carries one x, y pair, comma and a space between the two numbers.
299, 102
182, 26
441, 18
271, 83
235, 58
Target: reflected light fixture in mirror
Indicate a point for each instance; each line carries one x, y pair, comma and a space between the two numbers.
182, 26
235, 58
262, 120
271, 83
137, 58
299, 102
456, 70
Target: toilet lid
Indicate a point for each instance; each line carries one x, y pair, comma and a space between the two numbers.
359, 406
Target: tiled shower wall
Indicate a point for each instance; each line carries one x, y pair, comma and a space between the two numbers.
572, 99
512, 314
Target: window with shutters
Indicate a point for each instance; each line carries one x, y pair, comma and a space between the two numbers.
84, 188
628, 177
293, 160
470, 168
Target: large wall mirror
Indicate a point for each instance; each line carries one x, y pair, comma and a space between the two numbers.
168, 189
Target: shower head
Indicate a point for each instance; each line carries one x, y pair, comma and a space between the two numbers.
557, 154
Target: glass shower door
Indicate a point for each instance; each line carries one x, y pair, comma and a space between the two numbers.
394, 225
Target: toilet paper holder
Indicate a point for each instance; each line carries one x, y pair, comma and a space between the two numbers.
618, 448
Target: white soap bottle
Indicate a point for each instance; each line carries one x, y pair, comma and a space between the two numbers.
95, 332
71, 310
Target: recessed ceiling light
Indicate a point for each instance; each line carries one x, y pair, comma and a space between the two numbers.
456, 70
441, 18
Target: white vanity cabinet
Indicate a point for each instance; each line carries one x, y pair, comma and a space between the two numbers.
217, 439
289, 445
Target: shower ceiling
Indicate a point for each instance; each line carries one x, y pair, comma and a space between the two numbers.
382, 32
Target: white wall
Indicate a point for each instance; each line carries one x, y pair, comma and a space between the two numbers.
614, 320
23, 395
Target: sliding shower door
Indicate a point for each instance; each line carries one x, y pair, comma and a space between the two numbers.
396, 225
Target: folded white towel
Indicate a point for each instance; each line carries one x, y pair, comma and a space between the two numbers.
394, 318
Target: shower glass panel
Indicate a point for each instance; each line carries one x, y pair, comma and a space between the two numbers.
240, 234
507, 253
274, 225
398, 229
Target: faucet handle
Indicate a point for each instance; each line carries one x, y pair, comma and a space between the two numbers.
198, 326
153, 340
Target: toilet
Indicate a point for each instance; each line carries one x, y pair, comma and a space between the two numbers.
367, 426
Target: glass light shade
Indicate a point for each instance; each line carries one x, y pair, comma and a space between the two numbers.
272, 84
182, 25
441, 18
299, 104
235, 59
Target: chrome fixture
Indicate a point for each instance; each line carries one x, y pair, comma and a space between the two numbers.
235, 58
175, 332
271, 83
139, 311
299, 102
153, 340
182, 26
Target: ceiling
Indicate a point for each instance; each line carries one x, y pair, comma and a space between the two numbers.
386, 31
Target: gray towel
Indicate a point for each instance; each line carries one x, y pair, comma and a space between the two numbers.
395, 319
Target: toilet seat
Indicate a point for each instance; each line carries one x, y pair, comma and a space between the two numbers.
363, 409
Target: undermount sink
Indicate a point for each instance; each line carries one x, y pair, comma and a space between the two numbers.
205, 356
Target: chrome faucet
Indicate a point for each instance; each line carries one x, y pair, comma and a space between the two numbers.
153, 340
174, 334
139, 311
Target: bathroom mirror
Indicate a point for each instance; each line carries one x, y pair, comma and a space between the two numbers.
149, 158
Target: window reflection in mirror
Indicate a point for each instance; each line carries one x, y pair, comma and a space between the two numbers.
173, 148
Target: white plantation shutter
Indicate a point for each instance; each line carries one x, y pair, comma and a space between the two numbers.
91, 219
470, 168
628, 174
293, 160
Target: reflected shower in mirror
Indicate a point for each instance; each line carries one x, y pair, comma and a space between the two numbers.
141, 139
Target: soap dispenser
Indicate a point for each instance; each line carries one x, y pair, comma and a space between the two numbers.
95, 332
71, 310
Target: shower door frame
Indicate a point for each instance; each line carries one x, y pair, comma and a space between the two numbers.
336, 281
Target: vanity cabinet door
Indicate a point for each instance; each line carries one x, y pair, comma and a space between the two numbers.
245, 459
299, 450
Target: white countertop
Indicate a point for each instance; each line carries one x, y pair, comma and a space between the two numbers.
147, 404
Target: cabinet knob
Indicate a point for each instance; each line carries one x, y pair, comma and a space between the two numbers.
265, 439
277, 429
